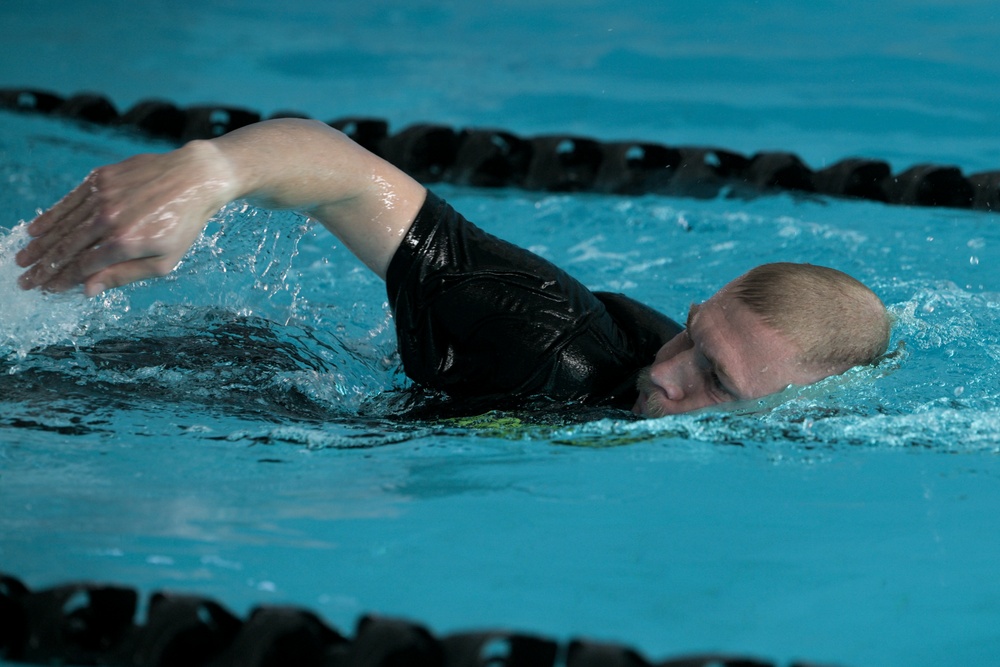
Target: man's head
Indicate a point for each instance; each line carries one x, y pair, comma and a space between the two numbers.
778, 324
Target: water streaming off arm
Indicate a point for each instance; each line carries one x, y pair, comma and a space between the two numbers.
229, 329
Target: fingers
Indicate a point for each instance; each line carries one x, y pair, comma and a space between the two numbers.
124, 273
136, 258
61, 233
61, 259
75, 238
51, 255
69, 212
143, 213
77, 196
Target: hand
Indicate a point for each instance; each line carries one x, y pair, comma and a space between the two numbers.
127, 221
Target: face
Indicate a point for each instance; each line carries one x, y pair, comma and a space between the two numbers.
727, 353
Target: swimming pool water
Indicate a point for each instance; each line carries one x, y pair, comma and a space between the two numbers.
223, 431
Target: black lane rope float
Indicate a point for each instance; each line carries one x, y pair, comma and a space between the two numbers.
94, 624
556, 163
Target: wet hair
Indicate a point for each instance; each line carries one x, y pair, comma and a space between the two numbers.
835, 320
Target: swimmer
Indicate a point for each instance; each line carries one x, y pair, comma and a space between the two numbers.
477, 318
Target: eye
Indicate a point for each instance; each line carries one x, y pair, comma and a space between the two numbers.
717, 384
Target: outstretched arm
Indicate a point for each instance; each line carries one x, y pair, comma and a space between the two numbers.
136, 219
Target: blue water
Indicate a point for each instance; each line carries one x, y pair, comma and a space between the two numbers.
222, 431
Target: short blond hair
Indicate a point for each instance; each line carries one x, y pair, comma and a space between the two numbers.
835, 320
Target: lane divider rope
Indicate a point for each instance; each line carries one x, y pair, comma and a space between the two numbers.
94, 624
496, 158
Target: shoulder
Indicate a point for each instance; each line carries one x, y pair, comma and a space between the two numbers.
647, 327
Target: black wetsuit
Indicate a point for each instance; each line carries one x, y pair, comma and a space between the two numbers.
492, 325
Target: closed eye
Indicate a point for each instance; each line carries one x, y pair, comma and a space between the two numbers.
718, 385
708, 364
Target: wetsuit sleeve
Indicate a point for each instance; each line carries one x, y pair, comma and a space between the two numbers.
477, 316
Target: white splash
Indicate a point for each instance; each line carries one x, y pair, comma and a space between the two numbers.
33, 319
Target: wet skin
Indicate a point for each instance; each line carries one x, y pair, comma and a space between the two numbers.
727, 353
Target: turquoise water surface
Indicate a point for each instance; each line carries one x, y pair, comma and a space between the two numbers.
224, 431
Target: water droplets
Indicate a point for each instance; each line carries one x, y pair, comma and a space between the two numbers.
33, 319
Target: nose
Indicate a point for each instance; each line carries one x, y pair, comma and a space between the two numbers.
676, 376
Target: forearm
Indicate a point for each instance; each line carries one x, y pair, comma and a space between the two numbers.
310, 167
